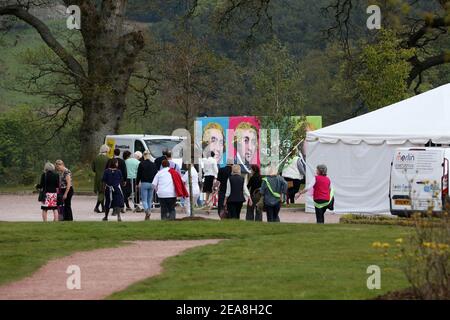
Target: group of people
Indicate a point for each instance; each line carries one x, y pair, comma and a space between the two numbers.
136, 178
264, 194
260, 193
56, 191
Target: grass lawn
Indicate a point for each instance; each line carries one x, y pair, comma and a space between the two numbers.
83, 180
257, 261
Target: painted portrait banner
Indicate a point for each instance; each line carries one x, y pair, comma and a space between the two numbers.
243, 142
211, 135
246, 140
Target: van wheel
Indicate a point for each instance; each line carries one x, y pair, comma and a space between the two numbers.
400, 213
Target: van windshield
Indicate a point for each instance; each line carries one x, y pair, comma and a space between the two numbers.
157, 146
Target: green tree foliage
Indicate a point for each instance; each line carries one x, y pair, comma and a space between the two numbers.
24, 148
278, 93
277, 81
384, 73
327, 91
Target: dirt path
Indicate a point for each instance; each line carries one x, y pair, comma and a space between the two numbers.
103, 271
26, 208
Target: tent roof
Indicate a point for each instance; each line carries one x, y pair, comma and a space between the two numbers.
418, 119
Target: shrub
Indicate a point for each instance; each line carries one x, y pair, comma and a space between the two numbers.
375, 219
424, 257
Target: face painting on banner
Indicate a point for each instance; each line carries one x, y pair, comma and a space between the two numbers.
243, 142
212, 137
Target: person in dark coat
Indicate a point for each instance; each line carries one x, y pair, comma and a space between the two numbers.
122, 166
272, 188
145, 175
113, 180
65, 190
98, 166
222, 177
254, 185
123, 169
237, 193
159, 160
49, 184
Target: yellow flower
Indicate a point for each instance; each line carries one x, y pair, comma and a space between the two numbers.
442, 246
376, 244
399, 240
427, 244
386, 245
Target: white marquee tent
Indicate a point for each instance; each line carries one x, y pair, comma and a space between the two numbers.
358, 152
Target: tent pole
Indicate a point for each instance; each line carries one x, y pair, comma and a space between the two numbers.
282, 161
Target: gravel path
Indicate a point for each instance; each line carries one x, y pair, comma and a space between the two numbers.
102, 271
27, 208
105, 271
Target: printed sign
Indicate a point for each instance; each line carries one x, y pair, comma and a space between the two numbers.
111, 143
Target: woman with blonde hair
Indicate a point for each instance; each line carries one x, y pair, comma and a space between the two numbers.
237, 193
98, 166
66, 190
146, 172
49, 185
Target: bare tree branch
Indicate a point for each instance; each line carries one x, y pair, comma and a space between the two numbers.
46, 35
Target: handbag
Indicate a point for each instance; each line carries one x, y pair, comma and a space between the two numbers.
260, 204
41, 196
223, 214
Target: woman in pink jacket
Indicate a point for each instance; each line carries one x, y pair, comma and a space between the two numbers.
323, 194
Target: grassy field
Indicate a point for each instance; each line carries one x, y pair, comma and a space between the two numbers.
83, 180
257, 261
14, 46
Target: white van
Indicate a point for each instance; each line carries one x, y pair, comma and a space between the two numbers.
141, 142
419, 180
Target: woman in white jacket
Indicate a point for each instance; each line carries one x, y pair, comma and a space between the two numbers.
294, 174
195, 189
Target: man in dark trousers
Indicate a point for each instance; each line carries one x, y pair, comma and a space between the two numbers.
122, 168
222, 176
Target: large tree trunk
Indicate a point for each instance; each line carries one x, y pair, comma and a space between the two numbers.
111, 51
102, 115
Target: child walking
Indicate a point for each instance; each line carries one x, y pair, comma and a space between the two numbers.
112, 180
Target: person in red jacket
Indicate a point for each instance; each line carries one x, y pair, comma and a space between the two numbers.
168, 185
323, 194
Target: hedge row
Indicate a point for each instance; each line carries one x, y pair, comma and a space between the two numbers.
376, 219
